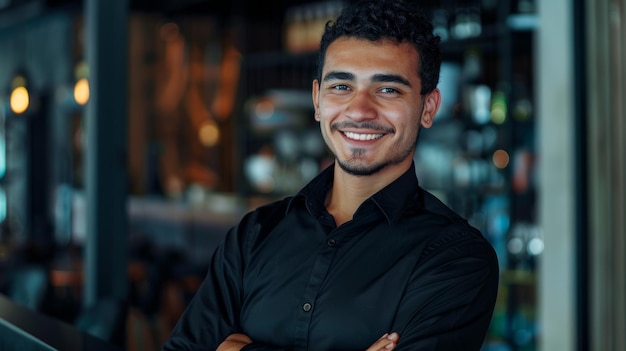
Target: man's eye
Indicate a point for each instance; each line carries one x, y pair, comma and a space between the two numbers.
389, 91
340, 87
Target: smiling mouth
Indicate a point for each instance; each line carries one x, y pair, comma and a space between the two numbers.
362, 137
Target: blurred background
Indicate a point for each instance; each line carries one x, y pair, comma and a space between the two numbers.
135, 133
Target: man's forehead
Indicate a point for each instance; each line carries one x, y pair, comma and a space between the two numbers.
389, 56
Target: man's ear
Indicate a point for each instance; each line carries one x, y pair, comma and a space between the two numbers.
315, 93
432, 101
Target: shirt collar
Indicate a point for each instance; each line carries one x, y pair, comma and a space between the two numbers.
313, 195
393, 200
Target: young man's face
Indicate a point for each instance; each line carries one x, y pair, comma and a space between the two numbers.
369, 104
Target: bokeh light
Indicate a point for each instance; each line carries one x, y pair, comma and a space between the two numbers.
209, 134
500, 159
19, 100
81, 91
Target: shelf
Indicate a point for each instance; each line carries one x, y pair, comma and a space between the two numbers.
518, 277
522, 22
278, 59
488, 42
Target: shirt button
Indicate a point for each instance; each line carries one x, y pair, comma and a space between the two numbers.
307, 307
331, 242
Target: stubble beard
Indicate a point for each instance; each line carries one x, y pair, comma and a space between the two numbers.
356, 166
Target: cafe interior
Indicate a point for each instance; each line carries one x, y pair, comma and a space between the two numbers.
134, 134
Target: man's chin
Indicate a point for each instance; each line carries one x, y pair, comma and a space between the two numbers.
360, 169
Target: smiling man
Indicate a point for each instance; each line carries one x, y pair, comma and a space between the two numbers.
361, 258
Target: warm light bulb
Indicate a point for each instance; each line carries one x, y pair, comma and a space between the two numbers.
81, 91
19, 100
209, 134
500, 159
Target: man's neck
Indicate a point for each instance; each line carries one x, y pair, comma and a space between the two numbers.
350, 191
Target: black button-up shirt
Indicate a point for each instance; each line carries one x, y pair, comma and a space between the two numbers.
290, 279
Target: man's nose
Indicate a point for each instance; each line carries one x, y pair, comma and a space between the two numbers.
361, 107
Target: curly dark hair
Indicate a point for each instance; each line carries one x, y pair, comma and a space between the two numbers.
388, 19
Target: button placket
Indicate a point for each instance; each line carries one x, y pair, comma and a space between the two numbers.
318, 275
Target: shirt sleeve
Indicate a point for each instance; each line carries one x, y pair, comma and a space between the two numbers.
449, 301
213, 312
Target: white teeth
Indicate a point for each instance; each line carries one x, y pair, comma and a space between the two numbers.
357, 136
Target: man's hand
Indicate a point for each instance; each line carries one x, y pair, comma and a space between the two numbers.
234, 342
385, 343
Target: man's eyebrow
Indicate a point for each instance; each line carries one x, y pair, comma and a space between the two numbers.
337, 75
378, 78
391, 78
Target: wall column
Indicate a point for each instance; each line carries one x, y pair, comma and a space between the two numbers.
606, 133
557, 177
106, 246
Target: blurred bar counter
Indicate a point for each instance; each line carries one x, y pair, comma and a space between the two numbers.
27, 330
193, 227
